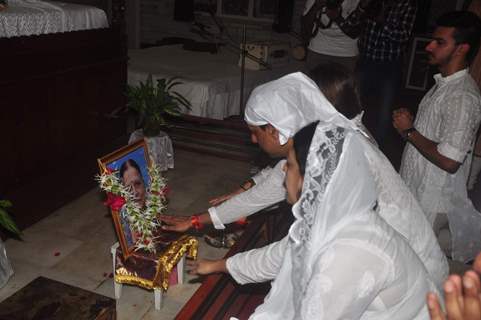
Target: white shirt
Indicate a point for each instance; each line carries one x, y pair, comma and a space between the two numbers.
449, 115
268, 190
332, 41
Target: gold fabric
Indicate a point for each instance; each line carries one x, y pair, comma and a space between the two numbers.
137, 272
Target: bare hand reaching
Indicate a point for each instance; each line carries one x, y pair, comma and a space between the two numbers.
176, 223
204, 266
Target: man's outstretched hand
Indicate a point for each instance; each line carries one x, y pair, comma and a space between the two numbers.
176, 223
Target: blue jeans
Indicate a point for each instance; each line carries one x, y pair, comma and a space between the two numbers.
380, 84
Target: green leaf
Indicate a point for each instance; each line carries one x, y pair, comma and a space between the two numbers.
5, 204
151, 102
7, 222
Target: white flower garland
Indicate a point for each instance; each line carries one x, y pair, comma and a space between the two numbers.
142, 221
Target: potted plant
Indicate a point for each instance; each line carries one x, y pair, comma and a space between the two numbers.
6, 222
152, 102
5, 219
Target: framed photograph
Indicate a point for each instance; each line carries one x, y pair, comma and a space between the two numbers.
131, 164
419, 75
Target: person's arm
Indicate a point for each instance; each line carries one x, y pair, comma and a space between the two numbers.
184, 223
257, 265
260, 196
270, 191
429, 149
206, 266
244, 186
403, 122
353, 24
311, 10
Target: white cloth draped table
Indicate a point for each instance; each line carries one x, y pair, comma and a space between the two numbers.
34, 17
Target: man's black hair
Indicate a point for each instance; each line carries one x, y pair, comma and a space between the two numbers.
467, 29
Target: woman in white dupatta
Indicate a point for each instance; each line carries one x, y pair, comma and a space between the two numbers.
340, 260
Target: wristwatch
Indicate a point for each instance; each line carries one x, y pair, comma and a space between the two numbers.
407, 133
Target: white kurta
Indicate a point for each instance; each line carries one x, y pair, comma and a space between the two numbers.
268, 190
449, 114
341, 260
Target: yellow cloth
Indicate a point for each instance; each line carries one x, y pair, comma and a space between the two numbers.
165, 263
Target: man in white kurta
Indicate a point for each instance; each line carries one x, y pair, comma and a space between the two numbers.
436, 161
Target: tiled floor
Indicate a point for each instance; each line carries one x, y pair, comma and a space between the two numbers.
72, 245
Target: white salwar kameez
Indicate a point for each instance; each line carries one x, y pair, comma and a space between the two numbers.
449, 115
340, 260
397, 206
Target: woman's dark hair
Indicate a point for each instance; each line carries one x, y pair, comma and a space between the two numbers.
339, 86
125, 166
467, 29
302, 142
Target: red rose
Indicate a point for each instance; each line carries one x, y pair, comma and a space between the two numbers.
114, 202
110, 170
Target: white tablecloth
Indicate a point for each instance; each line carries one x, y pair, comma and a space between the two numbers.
211, 82
34, 17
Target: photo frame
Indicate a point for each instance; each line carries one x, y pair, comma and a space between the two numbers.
131, 160
419, 75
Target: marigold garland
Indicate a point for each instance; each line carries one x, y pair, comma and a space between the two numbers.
143, 221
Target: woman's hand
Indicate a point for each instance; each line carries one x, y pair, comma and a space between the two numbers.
204, 266
176, 223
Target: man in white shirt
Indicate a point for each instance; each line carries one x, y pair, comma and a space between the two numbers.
329, 42
437, 158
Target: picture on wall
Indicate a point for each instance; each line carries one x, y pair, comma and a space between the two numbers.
419, 75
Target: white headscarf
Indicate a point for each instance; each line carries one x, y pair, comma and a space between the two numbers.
289, 104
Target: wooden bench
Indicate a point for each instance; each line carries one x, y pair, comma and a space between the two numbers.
219, 296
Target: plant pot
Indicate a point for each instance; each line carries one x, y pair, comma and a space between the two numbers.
6, 270
151, 129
